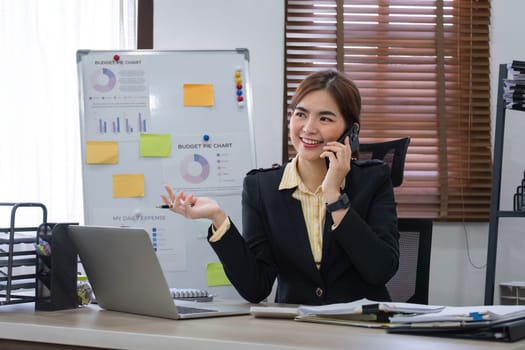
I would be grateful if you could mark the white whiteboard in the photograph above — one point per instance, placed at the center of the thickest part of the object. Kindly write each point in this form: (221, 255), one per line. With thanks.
(150, 118)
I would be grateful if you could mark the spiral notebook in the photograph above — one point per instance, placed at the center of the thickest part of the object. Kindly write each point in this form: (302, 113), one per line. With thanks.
(191, 294)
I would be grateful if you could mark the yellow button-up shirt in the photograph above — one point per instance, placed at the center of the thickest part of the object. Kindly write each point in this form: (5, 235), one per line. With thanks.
(313, 205)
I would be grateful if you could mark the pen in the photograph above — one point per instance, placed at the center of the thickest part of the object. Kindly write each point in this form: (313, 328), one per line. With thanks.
(164, 206)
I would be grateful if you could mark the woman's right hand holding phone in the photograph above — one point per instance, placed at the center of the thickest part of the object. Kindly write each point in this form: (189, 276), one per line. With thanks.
(339, 155)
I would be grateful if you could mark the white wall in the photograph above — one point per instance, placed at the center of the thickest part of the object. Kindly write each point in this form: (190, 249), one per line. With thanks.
(229, 24)
(458, 251)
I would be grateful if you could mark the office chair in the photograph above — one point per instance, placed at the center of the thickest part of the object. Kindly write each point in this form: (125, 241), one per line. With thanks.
(410, 283)
(392, 152)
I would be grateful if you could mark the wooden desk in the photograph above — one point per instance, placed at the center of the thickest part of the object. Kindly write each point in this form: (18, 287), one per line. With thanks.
(88, 328)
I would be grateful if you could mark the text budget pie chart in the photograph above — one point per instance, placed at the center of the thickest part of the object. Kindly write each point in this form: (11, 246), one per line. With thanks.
(194, 168)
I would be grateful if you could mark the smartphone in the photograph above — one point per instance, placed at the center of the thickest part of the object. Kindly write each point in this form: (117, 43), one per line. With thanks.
(353, 133)
(354, 138)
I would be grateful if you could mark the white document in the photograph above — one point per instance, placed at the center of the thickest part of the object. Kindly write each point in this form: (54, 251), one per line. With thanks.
(367, 306)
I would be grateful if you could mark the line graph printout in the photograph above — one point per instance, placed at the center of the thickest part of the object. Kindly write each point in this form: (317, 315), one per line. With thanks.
(117, 101)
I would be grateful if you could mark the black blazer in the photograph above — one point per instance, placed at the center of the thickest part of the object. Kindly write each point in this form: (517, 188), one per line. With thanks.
(359, 256)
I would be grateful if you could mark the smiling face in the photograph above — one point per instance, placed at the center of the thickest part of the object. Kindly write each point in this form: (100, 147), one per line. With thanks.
(315, 121)
(324, 104)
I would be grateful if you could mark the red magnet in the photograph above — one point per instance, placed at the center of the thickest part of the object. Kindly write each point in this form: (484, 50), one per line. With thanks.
(116, 57)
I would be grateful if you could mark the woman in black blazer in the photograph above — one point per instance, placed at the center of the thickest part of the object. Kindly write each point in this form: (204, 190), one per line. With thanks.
(324, 224)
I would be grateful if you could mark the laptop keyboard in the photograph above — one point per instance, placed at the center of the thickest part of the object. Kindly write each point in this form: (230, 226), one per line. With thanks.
(191, 310)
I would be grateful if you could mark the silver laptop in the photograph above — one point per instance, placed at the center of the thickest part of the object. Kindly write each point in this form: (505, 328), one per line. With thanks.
(125, 274)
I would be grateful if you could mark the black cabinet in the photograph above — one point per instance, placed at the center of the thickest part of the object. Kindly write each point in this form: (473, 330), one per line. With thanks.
(495, 213)
(38, 263)
(56, 268)
(17, 251)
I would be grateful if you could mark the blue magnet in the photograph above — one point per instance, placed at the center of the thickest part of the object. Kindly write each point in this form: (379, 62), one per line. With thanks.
(206, 137)
(239, 92)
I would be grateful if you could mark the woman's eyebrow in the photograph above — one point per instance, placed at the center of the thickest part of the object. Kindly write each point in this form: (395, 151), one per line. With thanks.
(327, 113)
(302, 109)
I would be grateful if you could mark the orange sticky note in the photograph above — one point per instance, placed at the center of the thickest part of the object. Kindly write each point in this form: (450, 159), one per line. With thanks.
(198, 95)
(101, 152)
(128, 185)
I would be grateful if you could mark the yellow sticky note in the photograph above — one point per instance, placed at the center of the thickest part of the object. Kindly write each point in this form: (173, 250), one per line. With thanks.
(101, 152)
(200, 95)
(155, 145)
(128, 185)
(216, 276)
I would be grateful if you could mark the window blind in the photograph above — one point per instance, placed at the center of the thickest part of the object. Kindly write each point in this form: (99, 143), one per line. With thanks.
(422, 67)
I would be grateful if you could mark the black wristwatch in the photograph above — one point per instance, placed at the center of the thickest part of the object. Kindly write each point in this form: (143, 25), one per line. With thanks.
(342, 202)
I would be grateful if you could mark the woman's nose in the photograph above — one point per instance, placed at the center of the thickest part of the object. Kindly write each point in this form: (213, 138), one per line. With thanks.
(310, 125)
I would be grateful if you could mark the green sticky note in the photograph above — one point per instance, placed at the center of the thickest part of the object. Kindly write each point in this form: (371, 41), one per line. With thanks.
(216, 276)
(155, 145)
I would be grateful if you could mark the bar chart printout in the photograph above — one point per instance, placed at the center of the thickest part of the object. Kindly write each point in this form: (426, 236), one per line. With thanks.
(123, 124)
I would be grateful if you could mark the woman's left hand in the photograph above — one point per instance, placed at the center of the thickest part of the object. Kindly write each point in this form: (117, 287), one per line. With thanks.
(193, 207)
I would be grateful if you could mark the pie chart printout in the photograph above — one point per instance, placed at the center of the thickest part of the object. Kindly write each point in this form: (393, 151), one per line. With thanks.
(103, 80)
(195, 168)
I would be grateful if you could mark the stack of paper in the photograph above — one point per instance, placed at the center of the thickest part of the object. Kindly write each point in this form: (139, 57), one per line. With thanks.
(465, 314)
(514, 86)
(363, 312)
(493, 322)
(366, 306)
(352, 310)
